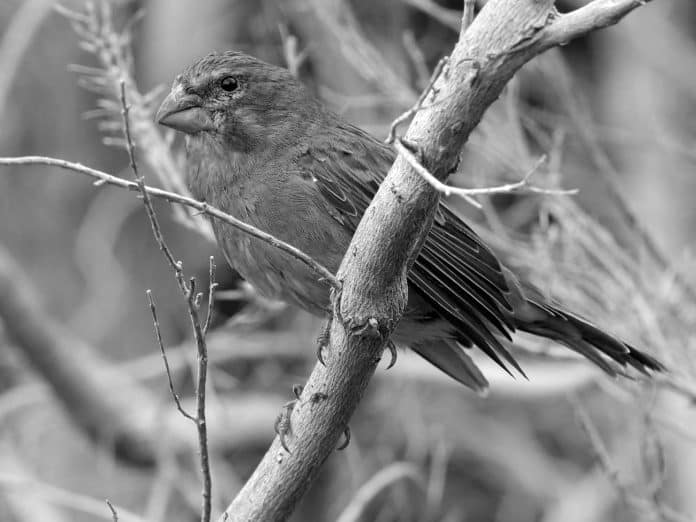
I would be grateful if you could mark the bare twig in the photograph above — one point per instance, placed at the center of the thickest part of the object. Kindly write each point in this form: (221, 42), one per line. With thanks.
(140, 181)
(114, 513)
(202, 207)
(188, 290)
(467, 15)
(212, 286)
(523, 185)
(201, 422)
(158, 334)
(439, 68)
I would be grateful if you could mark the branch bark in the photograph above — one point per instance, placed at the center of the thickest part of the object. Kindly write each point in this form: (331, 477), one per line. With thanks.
(505, 35)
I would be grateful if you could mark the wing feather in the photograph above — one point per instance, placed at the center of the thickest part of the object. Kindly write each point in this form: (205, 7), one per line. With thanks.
(455, 272)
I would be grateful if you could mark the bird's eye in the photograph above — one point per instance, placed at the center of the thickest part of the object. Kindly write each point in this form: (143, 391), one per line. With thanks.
(229, 83)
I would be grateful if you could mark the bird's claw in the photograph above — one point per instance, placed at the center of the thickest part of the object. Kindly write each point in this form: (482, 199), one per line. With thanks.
(335, 296)
(323, 341)
(282, 423)
(346, 441)
(367, 328)
(392, 350)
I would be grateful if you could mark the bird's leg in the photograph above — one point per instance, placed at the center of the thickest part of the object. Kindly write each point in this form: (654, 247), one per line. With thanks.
(282, 422)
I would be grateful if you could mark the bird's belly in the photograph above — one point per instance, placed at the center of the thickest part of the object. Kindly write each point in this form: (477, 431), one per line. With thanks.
(273, 272)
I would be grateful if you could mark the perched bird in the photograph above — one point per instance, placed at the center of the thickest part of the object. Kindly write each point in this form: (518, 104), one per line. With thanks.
(262, 149)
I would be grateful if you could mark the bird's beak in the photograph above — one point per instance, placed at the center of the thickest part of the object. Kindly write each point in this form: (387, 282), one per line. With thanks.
(184, 112)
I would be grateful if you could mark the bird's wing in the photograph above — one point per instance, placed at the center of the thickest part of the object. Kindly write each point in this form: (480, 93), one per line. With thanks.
(455, 272)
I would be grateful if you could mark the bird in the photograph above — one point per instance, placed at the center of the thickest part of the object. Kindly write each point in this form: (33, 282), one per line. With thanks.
(262, 148)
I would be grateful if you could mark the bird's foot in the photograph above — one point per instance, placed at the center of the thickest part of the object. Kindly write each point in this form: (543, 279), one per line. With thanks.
(282, 423)
(335, 296)
(325, 335)
(346, 439)
(323, 341)
(392, 350)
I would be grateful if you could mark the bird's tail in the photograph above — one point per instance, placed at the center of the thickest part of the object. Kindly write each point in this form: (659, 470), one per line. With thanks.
(450, 357)
(586, 339)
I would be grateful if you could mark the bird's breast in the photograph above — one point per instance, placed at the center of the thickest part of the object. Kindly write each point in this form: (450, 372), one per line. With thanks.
(290, 210)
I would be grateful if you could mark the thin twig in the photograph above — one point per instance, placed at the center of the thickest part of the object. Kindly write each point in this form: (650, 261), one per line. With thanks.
(201, 422)
(158, 334)
(523, 185)
(439, 68)
(188, 290)
(212, 286)
(467, 16)
(202, 207)
(114, 513)
(140, 181)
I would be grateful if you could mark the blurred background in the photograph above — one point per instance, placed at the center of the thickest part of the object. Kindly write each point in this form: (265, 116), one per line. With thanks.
(85, 410)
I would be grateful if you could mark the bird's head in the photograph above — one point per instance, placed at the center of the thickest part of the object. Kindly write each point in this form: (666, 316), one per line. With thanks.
(235, 99)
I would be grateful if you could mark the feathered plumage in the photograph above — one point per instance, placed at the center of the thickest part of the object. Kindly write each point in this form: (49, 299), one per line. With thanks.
(270, 154)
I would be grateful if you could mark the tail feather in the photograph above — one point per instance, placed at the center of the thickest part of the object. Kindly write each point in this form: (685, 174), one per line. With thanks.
(450, 358)
(588, 340)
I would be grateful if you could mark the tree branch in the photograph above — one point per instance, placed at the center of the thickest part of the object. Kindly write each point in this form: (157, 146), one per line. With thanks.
(595, 15)
(505, 35)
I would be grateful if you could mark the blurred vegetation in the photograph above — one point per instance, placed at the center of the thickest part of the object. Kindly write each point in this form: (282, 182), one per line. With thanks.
(614, 111)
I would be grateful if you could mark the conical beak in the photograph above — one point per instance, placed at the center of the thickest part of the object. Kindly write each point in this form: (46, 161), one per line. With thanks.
(184, 112)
